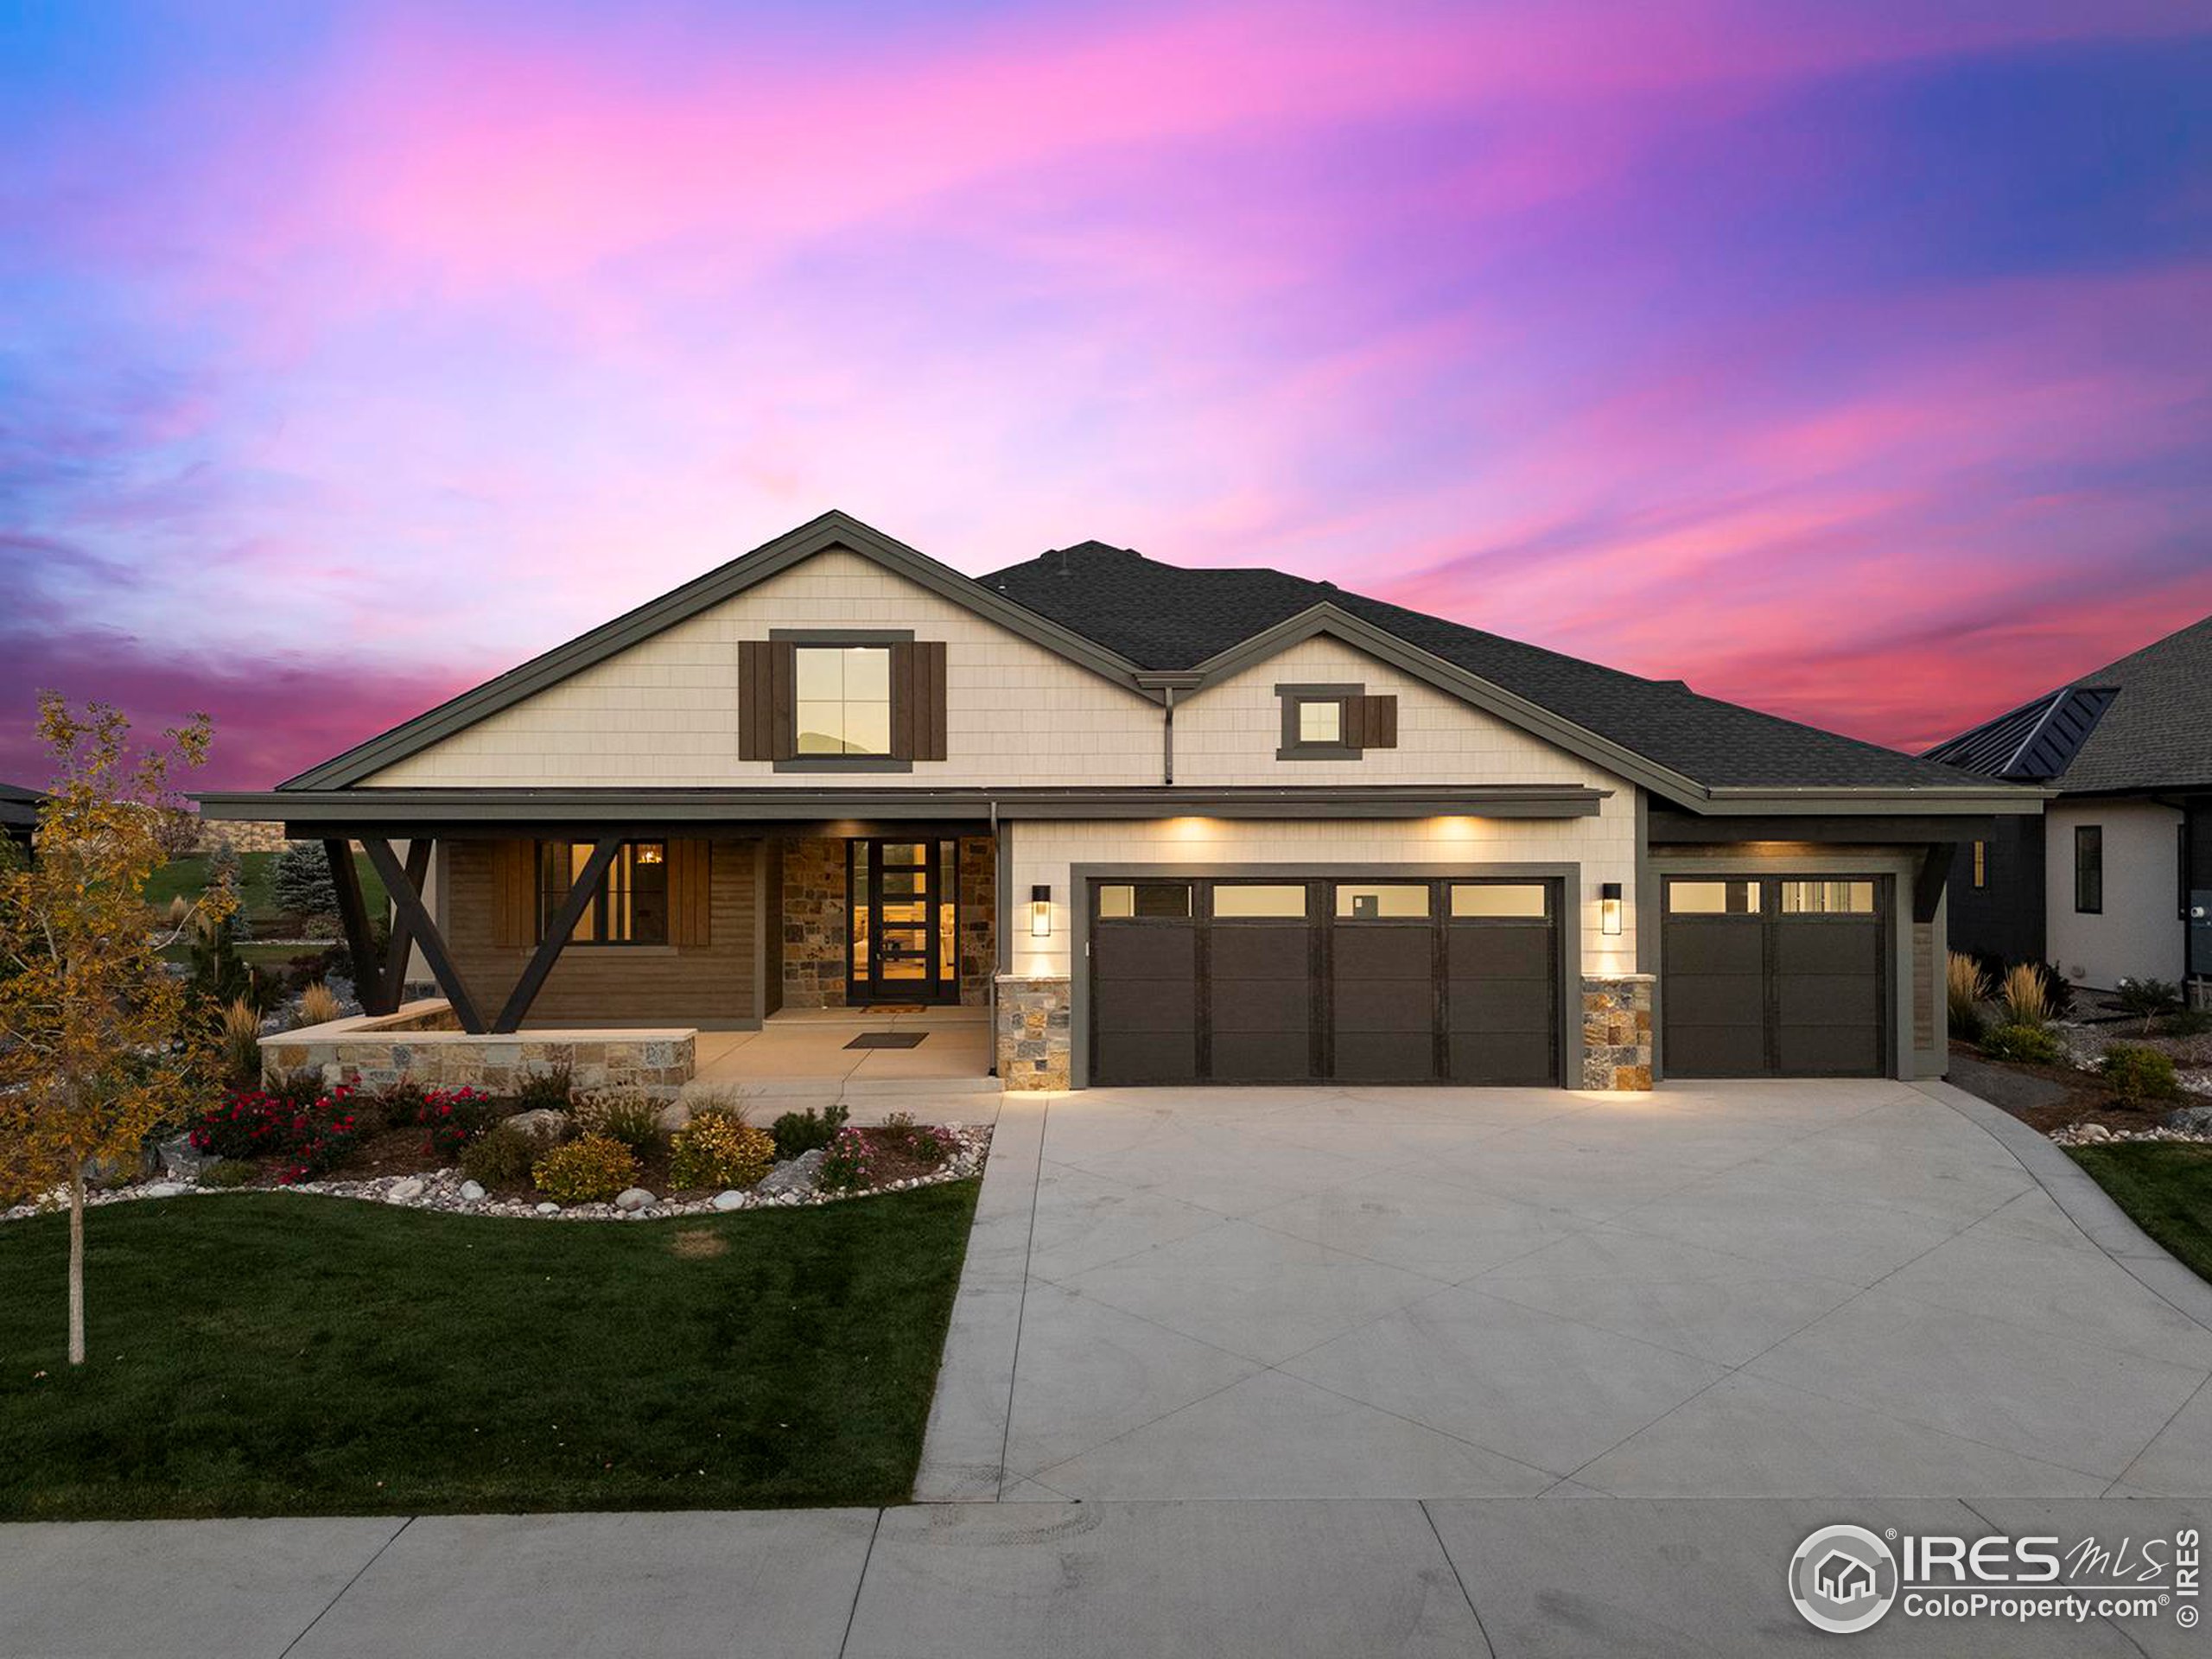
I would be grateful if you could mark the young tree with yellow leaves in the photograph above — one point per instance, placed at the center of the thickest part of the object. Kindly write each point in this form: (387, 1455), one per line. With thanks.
(98, 1045)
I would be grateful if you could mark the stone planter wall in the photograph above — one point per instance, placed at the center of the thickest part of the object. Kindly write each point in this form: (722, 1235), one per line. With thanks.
(420, 1043)
(1035, 1046)
(1617, 1032)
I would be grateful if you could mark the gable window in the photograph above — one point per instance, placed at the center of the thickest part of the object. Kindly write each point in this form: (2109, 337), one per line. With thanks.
(2089, 869)
(1334, 722)
(843, 699)
(1321, 720)
(631, 906)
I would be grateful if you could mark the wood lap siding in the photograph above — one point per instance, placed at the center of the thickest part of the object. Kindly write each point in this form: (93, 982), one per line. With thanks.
(690, 888)
(513, 893)
(709, 985)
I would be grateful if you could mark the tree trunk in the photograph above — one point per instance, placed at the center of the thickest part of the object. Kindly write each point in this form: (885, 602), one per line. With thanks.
(77, 1262)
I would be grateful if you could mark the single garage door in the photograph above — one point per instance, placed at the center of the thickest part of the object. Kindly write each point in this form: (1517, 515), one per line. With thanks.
(1764, 977)
(1296, 979)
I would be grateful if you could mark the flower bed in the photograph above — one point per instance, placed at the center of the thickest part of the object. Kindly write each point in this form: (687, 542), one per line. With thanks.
(447, 1189)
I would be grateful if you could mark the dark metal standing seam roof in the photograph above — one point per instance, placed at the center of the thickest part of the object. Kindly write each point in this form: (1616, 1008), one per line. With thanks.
(1166, 617)
(2143, 723)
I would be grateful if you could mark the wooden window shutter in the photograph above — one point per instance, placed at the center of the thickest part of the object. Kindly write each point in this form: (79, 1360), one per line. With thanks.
(690, 892)
(1355, 723)
(929, 688)
(917, 700)
(514, 894)
(756, 699)
(1377, 721)
(903, 698)
(783, 700)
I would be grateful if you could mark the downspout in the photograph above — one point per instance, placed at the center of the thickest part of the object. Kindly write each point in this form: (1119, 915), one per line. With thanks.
(1167, 739)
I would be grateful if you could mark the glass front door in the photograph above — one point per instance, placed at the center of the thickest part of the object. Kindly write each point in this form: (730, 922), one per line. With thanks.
(905, 913)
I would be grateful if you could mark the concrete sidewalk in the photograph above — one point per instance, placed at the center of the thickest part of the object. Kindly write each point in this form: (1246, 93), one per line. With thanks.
(1277, 1580)
(1552, 1576)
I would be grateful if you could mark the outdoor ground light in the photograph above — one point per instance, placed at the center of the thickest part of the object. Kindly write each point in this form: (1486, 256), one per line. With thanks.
(1608, 907)
(1040, 912)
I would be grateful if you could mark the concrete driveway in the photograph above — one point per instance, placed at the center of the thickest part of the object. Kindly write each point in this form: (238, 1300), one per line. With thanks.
(1777, 1290)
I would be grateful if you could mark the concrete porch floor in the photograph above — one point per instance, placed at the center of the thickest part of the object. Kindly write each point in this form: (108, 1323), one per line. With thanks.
(801, 1053)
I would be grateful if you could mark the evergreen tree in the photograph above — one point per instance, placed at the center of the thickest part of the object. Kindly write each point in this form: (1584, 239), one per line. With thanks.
(303, 885)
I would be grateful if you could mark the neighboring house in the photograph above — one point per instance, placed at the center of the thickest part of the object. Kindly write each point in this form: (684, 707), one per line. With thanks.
(2115, 881)
(19, 813)
(1175, 825)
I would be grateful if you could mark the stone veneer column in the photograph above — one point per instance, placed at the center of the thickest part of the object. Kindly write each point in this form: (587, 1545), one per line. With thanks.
(1035, 1044)
(979, 932)
(1617, 1032)
(816, 918)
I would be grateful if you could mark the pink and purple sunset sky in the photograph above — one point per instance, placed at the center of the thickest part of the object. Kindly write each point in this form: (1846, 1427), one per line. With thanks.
(1850, 360)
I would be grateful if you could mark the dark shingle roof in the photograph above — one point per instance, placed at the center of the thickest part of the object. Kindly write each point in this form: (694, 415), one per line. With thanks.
(19, 806)
(1165, 617)
(2143, 722)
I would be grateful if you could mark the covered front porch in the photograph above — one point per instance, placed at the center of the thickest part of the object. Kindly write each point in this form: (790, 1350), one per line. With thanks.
(815, 1050)
(800, 950)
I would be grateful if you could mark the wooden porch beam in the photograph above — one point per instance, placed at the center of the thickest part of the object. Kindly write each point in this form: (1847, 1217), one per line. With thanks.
(408, 899)
(556, 934)
(403, 933)
(354, 912)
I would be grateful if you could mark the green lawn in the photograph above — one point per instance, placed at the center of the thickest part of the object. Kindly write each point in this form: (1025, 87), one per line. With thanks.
(2165, 1186)
(270, 1354)
(256, 876)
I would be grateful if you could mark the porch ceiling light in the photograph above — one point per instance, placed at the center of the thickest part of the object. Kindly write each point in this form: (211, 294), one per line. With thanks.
(1040, 912)
(1608, 907)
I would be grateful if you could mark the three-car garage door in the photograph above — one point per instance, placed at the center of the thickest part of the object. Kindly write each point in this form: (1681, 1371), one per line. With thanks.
(1285, 979)
(1774, 977)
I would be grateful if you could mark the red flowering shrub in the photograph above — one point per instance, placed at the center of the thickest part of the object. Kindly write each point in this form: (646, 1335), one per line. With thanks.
(451, 1118)
(310, 1136)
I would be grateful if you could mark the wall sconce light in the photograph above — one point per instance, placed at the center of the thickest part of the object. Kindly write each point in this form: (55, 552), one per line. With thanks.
(1609, 908)
(1040, 912)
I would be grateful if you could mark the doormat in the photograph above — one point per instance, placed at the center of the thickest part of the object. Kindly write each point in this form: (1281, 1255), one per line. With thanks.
(888, 1040)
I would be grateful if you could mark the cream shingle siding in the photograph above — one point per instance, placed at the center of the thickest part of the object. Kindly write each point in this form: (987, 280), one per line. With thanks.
(1604, 847)
(664, 712)
(1227, 734)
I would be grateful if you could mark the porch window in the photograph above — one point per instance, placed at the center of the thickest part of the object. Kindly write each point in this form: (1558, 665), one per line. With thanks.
(631, 906)
(844, 694)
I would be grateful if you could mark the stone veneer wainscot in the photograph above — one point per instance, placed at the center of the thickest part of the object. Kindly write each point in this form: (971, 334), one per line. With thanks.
(1617, 1032)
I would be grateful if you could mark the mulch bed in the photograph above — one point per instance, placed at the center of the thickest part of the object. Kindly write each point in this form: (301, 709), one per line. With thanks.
(2082, 1098)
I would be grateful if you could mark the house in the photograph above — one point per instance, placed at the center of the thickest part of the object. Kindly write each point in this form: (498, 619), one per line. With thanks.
(1844, 1578)
(2115, 881)
(1168, 825)
(19, 814)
